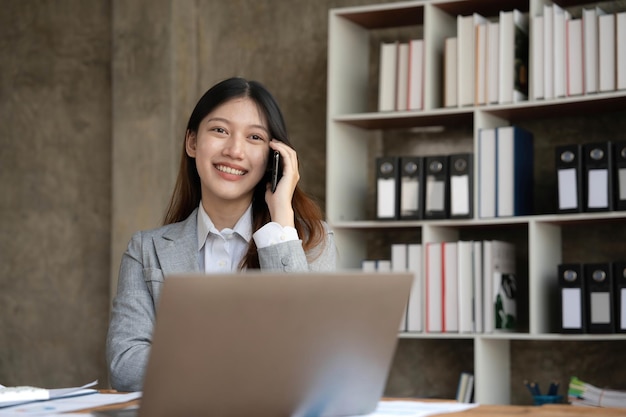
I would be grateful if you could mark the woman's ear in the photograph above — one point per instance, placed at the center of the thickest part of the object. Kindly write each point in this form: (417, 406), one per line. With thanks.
(190, 143)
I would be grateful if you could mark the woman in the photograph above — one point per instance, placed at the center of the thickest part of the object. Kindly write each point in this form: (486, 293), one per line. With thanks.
(222, 217)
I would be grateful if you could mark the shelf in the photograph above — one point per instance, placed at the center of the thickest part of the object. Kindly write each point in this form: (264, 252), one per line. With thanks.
(556, 219)
(546, 337)
(356, 135)
(527, 110)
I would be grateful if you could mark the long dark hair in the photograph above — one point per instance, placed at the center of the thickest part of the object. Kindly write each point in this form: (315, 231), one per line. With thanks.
(187, 191)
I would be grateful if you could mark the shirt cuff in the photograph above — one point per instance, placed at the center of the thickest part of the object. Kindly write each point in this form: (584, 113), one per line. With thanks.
(273, 233)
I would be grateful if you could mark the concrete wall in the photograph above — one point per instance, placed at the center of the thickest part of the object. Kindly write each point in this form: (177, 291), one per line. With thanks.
(94, 99)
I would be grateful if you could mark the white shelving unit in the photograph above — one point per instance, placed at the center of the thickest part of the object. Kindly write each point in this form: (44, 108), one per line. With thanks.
(352, 128)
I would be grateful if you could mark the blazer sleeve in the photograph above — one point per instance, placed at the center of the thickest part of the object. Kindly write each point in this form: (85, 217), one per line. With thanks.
(132, 320)
(290, 256)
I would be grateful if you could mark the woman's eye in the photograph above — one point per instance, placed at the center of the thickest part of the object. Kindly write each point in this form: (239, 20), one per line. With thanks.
(218, 130)
(256, 137)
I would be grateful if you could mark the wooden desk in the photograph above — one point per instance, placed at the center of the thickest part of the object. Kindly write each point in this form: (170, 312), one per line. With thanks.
(547, 410)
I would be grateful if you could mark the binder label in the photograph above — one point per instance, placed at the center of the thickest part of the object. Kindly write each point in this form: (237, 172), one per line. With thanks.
(568, 192)
(572, 308)
(598, 185)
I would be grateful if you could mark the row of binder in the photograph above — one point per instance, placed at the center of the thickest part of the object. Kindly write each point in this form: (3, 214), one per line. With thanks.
(458, 287)
(424, 187)
(593, 297)
(591, 177)
(505, 172)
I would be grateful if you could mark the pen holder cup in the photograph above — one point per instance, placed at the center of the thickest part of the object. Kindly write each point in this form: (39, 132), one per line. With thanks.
(547, 399)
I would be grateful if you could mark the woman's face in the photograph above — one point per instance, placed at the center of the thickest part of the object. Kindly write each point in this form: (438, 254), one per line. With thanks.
(231, 150)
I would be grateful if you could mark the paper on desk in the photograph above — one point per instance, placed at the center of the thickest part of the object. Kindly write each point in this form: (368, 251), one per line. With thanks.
(63, 405)
(417, 408)
(57, 393)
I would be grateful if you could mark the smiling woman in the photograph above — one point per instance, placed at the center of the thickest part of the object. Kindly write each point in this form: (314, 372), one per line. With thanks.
(222, 217)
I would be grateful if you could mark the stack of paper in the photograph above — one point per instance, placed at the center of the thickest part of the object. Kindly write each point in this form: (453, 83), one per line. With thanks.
(582, 393)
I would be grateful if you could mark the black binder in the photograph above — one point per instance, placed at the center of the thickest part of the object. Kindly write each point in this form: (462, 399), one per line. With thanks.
(598, 176)
(619, 177)
(599, 285)
(411, 187)
(436, 199)
(572, 298)
(619, 278)
(461, 185)
(569, 177)
(387, 188)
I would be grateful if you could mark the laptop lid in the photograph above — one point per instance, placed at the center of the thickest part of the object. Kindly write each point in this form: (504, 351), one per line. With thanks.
(262, 344)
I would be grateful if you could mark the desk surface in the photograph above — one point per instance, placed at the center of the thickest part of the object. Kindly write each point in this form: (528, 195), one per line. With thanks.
(547, 410)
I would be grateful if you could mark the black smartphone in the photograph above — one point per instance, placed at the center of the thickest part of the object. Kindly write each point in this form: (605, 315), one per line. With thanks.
(274, 168)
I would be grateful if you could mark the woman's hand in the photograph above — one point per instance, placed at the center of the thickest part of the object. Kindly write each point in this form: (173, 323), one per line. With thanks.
(279, 202)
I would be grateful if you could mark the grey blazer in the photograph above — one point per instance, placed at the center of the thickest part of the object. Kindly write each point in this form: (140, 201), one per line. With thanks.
(151, 256)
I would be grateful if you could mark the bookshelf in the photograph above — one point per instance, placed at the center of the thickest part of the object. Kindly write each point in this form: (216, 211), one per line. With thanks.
(357, 133)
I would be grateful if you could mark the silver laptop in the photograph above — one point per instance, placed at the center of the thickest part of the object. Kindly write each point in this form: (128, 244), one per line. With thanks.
(259, 344)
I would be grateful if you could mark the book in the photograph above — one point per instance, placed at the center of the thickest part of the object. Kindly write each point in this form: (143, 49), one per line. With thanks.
(590, 48)
(620, 49)
(499, 286)
(606, 52)
(514, 171)
(465, 277)
(399, 263)
(450, 73)
(477, 276)
(416, 74)
(548, 51)
(434, 290)
(561, 17)
(465, 388)
(415, 319)
(387, 76)
(480, 65)
(513, 56)
(450, 285)
(574, 49)
(504, 281)
(402, 76)
(537, 59)
(466, 52)
(487, 173)
(493, 62)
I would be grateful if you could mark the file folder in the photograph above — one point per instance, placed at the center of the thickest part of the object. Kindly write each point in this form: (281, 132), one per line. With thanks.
(411, 187)
(599, 285)
(569, 172)
(598, 176)
(387, 188)
(619, 152)
(436, 191)
(461, 185)
(573, 295)
(619, 278)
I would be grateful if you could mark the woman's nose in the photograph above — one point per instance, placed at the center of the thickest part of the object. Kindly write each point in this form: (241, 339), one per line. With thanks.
(234, 146)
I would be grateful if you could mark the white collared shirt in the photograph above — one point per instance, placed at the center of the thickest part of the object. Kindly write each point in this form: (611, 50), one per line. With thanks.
(221, 251)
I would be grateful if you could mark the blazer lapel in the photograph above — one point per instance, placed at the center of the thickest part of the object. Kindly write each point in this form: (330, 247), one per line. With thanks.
(177, 248)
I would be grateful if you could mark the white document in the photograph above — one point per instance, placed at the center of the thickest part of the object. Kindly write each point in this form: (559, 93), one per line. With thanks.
(417, 408)
(64, 405)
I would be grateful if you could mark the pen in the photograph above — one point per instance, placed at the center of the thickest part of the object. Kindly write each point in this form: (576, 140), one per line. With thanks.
(529, 387)
(554, 388)
(534, 387)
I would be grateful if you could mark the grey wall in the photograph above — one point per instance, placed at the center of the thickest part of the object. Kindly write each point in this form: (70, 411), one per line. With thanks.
(94, 97)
